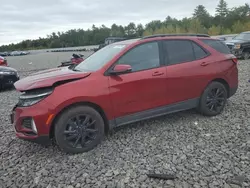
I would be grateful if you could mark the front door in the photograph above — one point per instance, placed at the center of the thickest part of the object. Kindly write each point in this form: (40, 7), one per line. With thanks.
(145, 87)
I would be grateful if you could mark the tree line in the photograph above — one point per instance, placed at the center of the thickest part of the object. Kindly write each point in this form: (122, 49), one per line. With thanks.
(225, 21)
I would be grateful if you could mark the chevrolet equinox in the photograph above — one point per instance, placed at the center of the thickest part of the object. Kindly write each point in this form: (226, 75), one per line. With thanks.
(122, 83)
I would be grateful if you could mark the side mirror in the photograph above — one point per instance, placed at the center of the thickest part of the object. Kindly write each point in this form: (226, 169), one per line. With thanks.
(121, 69)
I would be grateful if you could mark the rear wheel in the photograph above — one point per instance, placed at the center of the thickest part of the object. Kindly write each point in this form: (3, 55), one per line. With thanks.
(79, 129)
(213, 99)
(246, 55)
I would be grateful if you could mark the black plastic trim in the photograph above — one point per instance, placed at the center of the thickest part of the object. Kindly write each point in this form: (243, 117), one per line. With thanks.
(156, 112)
(173, 35)
(232, 91)
(42, 140)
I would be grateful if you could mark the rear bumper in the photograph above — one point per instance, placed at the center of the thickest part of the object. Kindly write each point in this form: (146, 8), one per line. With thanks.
(232, 91)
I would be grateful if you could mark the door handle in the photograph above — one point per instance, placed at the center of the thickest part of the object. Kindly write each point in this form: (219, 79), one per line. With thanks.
(157, 73)
(204, 63)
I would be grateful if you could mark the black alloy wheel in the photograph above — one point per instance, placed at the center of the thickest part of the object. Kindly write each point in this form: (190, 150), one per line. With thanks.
(246, 55)
(79, 129)
(213, 99)
(216, 99)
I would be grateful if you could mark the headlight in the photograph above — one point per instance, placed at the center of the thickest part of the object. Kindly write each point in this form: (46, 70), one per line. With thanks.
(237, 46)
(30, 98)
(6, 72)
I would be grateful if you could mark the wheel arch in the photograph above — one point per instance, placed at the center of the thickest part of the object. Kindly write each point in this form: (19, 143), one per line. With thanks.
(82, 103)
(222, 81)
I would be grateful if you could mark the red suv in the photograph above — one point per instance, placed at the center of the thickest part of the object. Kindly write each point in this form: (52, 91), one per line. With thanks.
(122, 83)
(3, 61)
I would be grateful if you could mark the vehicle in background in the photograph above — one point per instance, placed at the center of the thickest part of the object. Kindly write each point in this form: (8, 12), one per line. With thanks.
(15, 53)
(18, 53)
(3, 61)
(122, 83)
(110, 40)
(222, 38)
(4, 54)
(8, 76)
(75, 59)
(240, 45)
(24, 53)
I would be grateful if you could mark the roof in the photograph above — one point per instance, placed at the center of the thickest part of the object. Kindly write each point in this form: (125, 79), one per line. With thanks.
(108, 38)
(246, 32)
(130, 41)
(152, 37)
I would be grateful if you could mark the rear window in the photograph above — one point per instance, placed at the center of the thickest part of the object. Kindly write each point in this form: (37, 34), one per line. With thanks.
(217, 45)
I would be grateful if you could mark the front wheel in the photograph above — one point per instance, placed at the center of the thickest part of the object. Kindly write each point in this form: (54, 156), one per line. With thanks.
(79, 129)
(213, 99)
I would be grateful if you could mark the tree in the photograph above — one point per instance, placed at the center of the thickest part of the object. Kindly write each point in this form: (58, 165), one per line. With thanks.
(139, 30)
(240, 13)
(195, 26)
(222, 12)
(130, 29)
(214, 30)
(202, 14)
(226, 21)
(155, 24)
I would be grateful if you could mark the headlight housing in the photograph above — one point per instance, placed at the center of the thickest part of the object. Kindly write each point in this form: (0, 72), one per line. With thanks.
(237, 46)
(7, 72)
(32, 97)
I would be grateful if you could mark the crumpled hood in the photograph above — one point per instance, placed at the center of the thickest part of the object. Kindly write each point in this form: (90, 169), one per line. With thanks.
(48, 77)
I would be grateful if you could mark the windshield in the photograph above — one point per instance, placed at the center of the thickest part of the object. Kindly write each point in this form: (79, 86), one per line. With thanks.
(243, 36)
(98, 59)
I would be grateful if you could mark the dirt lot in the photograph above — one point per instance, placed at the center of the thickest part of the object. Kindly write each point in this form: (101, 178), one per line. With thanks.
(200, 151)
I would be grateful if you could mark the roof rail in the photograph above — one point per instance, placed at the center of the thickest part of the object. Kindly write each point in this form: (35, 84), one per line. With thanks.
(171, 35)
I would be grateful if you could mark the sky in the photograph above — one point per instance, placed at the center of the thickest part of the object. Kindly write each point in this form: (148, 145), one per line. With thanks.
(31, 19)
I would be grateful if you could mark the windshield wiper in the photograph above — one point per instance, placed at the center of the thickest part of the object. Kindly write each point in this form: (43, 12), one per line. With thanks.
(77, 70)
(72, 67)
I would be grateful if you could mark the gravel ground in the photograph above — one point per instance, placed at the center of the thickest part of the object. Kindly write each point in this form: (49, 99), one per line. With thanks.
(200, 151)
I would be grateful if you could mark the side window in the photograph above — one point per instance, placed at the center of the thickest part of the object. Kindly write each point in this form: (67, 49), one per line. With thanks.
(142, 57)
(198, 51)
(179, 51)
(219, 46)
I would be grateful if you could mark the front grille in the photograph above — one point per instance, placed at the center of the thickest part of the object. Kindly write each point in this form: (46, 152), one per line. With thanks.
(10, 79)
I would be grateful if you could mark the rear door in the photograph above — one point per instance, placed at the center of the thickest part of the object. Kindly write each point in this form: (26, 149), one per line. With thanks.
(188, 69)
(145, 87)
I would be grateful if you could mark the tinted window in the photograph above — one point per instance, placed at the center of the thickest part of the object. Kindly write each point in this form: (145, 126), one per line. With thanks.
(179, 51)
(198, 51)
(217, 45)
(142, 57)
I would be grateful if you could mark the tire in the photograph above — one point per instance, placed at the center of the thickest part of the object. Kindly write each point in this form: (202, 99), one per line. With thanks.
(67, 132)
(246, 55)
(208, 105)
